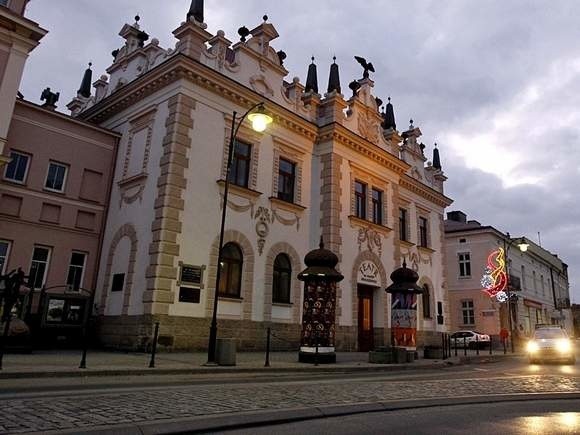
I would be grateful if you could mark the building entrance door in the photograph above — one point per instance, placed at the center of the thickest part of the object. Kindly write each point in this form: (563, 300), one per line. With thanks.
(366, 333)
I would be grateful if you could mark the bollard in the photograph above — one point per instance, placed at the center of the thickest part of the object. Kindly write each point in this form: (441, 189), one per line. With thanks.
(449, 344)
(316, 354)
(490, 345)
(4, 338)
(83, 363)
(443, 346)
(504, 345)
(154, 347)
(464, 346)
(477, 345)
(268, 332)
(455, 343)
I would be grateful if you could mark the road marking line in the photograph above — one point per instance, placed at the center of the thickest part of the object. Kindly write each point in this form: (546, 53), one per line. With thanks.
(481, 370)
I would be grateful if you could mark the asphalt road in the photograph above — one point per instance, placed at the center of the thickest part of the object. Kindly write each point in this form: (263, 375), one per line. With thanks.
(81, 404)
(519, 418)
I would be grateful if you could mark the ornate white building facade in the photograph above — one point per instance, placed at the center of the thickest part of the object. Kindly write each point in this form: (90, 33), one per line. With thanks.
(327, 166)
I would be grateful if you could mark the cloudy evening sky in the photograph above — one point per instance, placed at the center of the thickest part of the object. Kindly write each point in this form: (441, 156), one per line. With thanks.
(494, 82)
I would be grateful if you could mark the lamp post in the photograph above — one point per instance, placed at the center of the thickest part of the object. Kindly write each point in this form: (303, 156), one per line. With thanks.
(523, 246)
(260, 121)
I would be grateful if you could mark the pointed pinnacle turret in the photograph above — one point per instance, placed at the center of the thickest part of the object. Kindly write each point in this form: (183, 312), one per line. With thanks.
(85, 89)
(436, 158)
(334, 79)
(196, 11)
(389, 117)
(312, 78)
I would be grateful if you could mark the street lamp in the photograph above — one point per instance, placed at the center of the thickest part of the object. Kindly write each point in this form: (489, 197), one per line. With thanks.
(260, 121)
(523, 247)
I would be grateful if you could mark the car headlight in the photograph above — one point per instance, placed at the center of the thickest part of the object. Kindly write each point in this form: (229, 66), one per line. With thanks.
(533, 347)
(564, 345)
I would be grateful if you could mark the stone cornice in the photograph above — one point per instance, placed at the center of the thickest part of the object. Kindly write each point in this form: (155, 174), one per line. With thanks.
(338, 133)
(182, 67)
(418, 188)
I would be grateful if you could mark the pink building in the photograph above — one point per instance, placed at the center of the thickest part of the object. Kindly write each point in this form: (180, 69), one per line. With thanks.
(54, 196)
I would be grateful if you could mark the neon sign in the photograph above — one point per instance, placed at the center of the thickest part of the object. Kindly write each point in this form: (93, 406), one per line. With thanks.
(494, 280)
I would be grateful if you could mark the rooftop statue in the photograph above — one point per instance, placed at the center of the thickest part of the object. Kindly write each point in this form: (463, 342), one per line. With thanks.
(366, 65)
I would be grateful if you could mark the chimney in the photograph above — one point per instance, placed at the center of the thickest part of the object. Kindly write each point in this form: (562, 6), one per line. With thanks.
(457, 216)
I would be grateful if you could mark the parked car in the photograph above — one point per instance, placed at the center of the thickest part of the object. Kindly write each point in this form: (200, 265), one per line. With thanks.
(471, 338)
(551, 343)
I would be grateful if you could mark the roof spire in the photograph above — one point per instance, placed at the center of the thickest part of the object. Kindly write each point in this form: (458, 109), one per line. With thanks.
(312, 78)
(389, 117)
(85, 89)
(334, 79)
(196, 11)
(436, 158)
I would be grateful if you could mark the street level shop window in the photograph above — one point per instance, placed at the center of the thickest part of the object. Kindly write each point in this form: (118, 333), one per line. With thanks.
(426, 302)
(39, 266)
(76, 268)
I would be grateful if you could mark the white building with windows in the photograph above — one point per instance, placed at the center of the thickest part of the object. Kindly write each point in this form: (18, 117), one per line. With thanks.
(328, 166)
(537, 278)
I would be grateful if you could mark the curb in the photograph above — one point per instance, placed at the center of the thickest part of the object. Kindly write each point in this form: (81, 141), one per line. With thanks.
(271, 417)
(80, 373)
(223, 370)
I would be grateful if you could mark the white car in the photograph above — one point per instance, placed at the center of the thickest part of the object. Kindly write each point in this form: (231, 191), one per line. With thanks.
(551, 343)
(471, 339)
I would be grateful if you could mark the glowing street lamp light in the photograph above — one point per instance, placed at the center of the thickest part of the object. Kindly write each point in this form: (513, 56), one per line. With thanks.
(260, 121)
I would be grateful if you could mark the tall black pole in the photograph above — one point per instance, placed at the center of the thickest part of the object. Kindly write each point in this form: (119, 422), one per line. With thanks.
(211, 348)
(213, 328)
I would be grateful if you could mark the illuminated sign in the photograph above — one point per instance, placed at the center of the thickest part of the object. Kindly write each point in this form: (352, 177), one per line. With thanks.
(494, 281)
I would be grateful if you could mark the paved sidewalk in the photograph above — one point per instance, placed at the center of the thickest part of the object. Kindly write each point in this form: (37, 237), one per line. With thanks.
(100, 363)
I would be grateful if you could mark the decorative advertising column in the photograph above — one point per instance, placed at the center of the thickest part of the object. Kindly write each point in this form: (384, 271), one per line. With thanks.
(319, 312)
(404, 293)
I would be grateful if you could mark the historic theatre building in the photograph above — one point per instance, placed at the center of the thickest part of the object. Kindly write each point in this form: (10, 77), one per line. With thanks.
(332, 164)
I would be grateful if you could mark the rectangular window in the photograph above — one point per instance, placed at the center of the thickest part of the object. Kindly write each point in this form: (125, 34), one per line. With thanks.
(534, 281)
(17, 169)
(286, 179)
(360, 199)
(377, 197)
(56, 177)
(118, 282)
(241, 161)
(403, 224)
(4, 251)
(464, 264)
(39, 266)
(423, 232)
(76, 268)
(468, 312)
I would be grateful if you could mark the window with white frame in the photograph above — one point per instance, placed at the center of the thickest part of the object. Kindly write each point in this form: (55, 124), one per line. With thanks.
(56, 177)
(39, 266)
(17, 169)
(468, 312)
(4, 251)
(464, 264)
(76, 269)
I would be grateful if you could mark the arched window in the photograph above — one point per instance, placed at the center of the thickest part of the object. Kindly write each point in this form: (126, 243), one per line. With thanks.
(281, 280)
(426, 302)
(231, 271)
